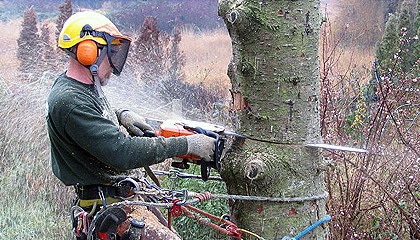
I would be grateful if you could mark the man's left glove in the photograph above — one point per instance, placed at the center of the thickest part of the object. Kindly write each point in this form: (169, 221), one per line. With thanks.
(134, 123)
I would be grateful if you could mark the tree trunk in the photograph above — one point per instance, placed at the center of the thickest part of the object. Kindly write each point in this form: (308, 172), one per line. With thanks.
(274, 73)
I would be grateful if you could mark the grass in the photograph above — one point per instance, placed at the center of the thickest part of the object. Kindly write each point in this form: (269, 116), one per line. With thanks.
(207, 57)
(33, 202)
(8, 47)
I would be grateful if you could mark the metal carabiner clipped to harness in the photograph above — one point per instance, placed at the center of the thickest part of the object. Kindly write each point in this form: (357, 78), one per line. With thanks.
(127, 188)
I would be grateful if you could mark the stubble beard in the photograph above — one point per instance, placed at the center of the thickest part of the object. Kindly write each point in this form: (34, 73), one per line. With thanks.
(105, 80)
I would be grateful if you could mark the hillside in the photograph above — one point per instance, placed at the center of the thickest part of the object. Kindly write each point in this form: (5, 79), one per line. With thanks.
(128, 15)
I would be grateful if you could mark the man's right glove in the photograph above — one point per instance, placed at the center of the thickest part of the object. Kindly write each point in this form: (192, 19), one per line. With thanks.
(202, 146)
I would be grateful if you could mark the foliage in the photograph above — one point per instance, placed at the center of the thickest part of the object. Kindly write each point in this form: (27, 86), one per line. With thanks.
(372, 196)
(399, 47)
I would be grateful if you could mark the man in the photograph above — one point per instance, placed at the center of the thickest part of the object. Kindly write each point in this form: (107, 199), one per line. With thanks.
(88, 150)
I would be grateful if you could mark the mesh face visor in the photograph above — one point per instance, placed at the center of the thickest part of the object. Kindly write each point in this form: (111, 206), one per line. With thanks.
(117, 55)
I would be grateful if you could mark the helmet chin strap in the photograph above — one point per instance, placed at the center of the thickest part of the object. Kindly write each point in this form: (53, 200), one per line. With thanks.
(94, 71)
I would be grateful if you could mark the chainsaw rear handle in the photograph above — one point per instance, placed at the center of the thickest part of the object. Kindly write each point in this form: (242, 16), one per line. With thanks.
(218, 149)
(200, 130)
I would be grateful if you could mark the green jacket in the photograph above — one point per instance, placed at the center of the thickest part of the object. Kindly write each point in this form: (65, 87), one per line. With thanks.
(87, 147)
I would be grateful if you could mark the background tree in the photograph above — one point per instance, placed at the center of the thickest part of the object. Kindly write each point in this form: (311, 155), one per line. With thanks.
(176, 56)
(65, 11)
(388, 45)
(275, 86)
(157, 60)
(399, 47)
(409, 29)
(150, 51)
(48, 52)
(28, 45)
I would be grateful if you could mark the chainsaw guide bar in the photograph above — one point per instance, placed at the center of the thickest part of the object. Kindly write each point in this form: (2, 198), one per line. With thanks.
(177, 128)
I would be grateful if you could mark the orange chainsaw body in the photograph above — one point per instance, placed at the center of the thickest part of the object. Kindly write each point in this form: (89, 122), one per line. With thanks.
(175, 129)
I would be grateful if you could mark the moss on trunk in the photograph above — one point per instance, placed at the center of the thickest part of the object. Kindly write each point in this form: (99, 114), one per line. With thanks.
(274, 73)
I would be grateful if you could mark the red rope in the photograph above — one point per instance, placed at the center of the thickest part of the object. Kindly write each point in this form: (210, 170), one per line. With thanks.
(176, 211)
(169, 220)
(229, 229)
(207, 222)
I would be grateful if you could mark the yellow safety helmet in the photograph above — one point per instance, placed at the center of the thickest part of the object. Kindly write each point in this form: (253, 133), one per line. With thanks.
(71, 35)
(84, 28)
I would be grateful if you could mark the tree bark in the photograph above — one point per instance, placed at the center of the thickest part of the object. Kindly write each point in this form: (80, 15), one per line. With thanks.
(274, 73)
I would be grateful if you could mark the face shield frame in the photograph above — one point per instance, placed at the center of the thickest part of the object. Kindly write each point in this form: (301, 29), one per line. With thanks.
(117, 52)
(117, 48)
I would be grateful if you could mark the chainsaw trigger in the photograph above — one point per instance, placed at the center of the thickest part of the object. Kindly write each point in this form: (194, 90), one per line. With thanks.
(205, 170)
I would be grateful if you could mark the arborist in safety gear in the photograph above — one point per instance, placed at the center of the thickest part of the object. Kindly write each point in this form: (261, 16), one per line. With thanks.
(88, 149)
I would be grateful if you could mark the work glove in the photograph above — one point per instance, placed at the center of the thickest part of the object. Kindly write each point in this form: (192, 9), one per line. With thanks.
(202, 146)
(134, 123)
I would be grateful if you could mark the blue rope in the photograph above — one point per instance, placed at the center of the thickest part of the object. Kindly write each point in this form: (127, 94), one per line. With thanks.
(308, 229)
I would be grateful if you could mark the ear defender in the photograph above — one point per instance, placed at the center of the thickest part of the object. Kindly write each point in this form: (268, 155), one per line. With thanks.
(87, 52)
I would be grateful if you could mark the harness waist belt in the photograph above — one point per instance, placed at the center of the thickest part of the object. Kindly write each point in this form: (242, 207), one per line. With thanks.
(92, 191)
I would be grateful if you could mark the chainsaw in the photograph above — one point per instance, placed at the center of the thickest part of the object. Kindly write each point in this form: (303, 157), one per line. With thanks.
(172, 128)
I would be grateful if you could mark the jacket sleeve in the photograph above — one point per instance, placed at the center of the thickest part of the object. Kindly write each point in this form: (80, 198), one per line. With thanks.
(104, 141)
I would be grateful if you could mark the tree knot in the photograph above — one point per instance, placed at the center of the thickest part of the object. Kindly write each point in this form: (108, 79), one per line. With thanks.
(232, 16)
(254, 169)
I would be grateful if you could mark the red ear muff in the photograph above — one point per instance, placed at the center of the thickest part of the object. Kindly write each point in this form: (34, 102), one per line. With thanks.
(87, 52)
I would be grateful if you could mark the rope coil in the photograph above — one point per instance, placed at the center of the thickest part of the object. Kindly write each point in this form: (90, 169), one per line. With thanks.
(203, 196)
